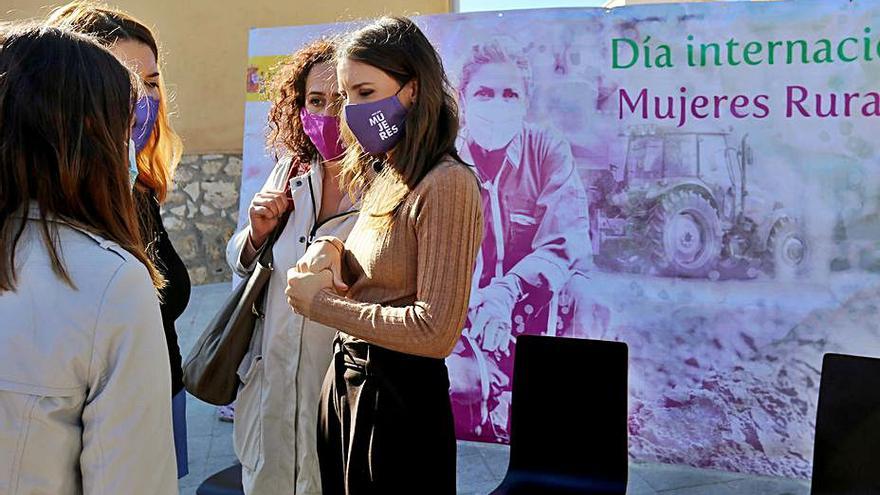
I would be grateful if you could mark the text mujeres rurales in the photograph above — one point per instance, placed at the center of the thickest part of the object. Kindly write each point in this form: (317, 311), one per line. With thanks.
(799, 101)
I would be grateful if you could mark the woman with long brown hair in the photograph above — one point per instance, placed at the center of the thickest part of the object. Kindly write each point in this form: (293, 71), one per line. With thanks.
(277, 405)
(385, 416)
(158, 153)
(85, 396)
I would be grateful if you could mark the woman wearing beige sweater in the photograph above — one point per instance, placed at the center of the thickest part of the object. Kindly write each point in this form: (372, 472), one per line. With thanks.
(398, 288)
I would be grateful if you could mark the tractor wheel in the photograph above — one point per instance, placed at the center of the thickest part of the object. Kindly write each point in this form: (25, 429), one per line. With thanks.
(787, 249)
(685, 234)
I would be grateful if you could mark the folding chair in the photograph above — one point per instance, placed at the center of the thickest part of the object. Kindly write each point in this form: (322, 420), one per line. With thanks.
(568, 418)
(846, 451)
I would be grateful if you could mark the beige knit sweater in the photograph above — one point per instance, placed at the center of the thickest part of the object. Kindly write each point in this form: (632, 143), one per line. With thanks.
(410, 283)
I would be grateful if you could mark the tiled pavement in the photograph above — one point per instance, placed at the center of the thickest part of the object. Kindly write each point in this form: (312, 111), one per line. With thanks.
(480, 467)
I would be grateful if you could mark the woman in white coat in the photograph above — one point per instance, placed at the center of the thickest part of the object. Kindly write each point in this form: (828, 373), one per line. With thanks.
(276, 409)
(85, 386)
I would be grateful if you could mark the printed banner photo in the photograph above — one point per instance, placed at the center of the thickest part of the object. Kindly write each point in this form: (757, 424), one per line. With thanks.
(700, 181)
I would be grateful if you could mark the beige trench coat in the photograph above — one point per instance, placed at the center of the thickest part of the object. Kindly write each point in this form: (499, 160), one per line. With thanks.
(85, 384)
(276, 409)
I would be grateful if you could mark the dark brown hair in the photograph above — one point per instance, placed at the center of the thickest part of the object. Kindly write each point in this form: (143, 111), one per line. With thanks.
(159, 159)
(287, 91)
(398, 47)
(65, 119)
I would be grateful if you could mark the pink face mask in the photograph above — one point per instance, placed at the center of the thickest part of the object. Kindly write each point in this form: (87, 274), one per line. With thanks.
(323, 130)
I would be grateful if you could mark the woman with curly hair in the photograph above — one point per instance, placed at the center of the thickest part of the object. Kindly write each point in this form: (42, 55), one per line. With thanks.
(276, 408)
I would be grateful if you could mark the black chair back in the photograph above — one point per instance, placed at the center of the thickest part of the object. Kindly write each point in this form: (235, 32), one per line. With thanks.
(568, 416)
(846, 451)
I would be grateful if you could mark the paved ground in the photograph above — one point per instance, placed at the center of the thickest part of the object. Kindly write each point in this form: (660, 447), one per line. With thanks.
(480, 467)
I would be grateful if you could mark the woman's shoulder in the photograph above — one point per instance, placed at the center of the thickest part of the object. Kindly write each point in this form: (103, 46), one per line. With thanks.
(105, 246)
(99, 268)
(450, 182)
(88, 255)
(450, 173)
(118, 282)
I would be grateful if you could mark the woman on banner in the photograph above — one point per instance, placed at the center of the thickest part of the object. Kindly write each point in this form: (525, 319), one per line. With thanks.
(158, 153)
(85, 387)
(398, 288)
(277, 405)
(530, 275)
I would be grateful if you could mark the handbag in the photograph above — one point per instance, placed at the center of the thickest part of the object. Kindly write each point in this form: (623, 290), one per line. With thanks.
(210, 372)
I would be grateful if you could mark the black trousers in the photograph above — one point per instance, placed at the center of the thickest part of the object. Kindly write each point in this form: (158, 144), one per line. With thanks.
(385, 423)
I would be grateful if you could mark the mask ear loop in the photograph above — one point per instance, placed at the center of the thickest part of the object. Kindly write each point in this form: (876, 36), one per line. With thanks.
(133, 170)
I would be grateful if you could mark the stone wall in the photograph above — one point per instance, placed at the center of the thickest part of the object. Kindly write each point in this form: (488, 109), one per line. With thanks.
(201, 214)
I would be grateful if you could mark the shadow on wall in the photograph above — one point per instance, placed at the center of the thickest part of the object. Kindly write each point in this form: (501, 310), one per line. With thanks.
(201, 214)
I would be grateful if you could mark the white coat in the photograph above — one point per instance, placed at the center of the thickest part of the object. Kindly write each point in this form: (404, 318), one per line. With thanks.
(85, 384)
(277, 405)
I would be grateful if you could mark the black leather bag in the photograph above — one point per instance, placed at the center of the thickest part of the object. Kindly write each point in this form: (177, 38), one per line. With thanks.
(210, 372)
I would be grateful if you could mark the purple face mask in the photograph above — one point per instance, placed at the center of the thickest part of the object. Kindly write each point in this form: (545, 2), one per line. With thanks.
(323, 130)
(145, 113)
(378, 125)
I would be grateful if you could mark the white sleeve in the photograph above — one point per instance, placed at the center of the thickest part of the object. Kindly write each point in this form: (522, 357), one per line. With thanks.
(236, 244)
(128, 444)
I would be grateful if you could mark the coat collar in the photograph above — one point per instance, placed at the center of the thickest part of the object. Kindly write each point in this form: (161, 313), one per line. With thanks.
(514, 149)
(310, 185)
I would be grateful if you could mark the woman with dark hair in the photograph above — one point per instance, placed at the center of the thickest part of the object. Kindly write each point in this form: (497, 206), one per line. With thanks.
(85, 388)
(385, 416)
(277, 404)
(158, 153)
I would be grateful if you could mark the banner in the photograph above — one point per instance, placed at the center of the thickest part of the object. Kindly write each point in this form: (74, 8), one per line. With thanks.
(699, 181)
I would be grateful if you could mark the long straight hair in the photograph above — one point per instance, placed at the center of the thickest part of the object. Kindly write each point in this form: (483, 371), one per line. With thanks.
(66, 108)
(398, 47)
(161, 155)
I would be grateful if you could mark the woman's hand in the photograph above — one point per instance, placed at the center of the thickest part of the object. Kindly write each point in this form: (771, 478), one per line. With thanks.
(303, 287)
(264, 213)
(321, 256)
